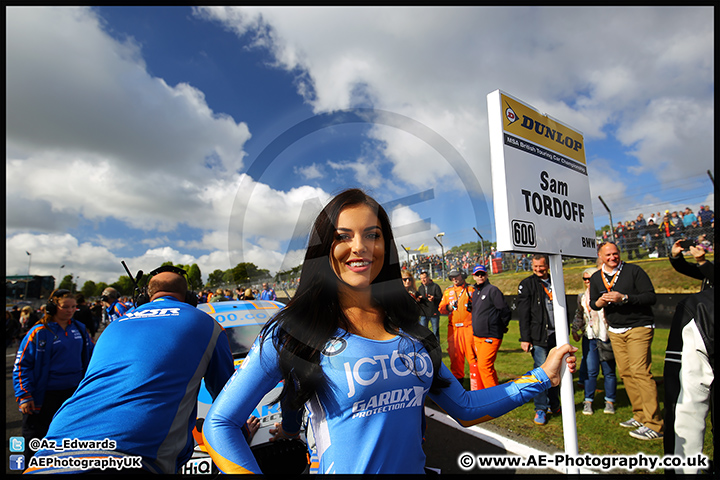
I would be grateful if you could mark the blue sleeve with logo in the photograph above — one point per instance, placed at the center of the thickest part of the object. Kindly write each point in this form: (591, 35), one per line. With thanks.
(368, 416)
(222, 430)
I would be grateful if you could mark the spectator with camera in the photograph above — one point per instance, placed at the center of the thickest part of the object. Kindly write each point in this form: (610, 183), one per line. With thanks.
(456, 303)
(537, 328)
(701, 270)
(689, 357)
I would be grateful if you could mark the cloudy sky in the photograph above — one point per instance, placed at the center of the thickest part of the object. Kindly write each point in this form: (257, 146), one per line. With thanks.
(210, 136)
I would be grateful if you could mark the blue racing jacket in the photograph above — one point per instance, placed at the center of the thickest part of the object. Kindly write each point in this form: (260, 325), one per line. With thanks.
(50, 358)
(140, 391)
(116, 310)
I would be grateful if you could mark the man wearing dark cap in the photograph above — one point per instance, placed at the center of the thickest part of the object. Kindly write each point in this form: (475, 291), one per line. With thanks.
(490, 318)
(457, 304)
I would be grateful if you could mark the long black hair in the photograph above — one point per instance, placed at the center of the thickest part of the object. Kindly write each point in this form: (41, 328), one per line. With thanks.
(303, 328)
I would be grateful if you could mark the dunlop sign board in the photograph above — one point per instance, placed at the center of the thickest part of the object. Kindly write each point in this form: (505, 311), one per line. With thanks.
(541, 190)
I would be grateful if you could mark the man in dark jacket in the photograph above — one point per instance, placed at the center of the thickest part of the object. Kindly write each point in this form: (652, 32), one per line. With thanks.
(490, 318)
(429, 295)
(627, 294)
(537, 328)
(84, 315)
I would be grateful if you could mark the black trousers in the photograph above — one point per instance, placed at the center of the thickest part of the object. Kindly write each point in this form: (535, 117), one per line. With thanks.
(36, 425)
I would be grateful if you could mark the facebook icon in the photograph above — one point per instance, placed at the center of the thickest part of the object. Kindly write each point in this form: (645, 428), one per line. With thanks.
(17, 462)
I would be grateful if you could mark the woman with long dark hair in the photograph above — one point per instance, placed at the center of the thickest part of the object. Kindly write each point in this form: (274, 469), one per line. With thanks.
(349, 347)
(50, 362)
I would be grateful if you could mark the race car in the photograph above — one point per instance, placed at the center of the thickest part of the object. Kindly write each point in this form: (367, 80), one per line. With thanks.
(243, 320)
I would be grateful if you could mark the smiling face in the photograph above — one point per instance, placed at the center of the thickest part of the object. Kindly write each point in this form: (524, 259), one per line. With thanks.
(609, 255)
(358, 250)
(540, 268)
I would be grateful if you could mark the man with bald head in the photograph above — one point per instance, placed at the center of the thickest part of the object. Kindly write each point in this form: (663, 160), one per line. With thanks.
(140, 390)
(167, 284)
(626, 294)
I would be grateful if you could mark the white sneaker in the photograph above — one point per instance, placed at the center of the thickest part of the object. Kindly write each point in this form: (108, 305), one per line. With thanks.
(632, 423)
(587, 408)
(644, 433)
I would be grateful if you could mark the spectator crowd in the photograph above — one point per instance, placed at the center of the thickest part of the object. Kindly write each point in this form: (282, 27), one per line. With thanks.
(657, 233)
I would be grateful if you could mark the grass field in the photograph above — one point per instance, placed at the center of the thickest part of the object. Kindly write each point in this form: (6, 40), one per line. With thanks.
(598, 434)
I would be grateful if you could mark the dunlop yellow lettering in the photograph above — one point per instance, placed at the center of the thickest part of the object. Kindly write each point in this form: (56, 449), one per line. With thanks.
(543, 130)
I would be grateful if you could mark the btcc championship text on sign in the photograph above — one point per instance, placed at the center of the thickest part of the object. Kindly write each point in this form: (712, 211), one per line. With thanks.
(541, 190)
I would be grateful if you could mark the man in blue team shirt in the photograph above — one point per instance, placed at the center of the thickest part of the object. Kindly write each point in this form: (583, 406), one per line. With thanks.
(140, 390)
(114, 308)
(267, 293)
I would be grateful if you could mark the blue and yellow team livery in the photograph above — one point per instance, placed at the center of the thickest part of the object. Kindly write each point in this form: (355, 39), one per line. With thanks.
(243, 320)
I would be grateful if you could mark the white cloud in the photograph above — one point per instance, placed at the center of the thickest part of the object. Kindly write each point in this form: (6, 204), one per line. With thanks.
(670, 136)
(602, 70)
(310, 172)
(50, 251)
(102, 136)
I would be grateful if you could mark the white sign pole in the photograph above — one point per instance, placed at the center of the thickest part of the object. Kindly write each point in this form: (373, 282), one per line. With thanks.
(541, 197)
(567, 398)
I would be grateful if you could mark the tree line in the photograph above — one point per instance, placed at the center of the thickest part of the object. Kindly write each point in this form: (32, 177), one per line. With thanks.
(241, 274)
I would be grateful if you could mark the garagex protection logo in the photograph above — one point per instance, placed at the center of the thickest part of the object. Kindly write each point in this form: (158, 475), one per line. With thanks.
(389, 401)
